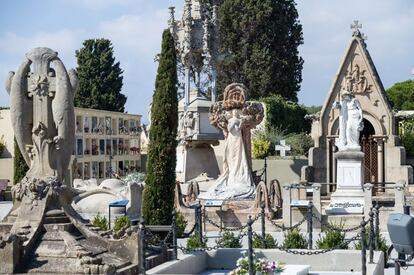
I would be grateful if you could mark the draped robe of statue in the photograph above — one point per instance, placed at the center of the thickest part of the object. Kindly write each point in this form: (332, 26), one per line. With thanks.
(236, 180)
(350, 122)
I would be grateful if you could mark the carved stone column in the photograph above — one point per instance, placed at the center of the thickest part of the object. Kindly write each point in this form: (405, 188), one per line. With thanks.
(380, 144)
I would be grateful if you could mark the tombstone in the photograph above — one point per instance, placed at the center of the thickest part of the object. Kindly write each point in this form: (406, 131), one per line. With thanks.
(282, 148)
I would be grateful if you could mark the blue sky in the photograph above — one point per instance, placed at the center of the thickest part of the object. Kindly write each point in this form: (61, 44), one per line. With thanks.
(135, 28)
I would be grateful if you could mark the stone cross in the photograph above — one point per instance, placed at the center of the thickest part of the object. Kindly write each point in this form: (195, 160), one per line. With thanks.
(355, 27)
(283, 148)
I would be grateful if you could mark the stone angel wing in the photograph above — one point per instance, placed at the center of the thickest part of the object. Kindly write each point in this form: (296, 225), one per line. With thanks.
(21, 108)
(64, 114)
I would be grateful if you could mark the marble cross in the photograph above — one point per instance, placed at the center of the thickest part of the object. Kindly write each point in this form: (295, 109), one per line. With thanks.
(282, 148)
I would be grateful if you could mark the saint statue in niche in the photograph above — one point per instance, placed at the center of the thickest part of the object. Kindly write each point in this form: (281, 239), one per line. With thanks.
(236, 117)
(350, 122)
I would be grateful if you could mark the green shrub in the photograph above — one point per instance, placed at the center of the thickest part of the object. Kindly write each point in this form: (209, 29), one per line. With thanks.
(20, 165)
(261, 148)
(181, 223)
(100, 221)
(229, 240)
(121, 222)
(269, 241)
(284, 114)
(382, 244)
(194, 242)
(295, 240)
(332, 238)
(300, 143)
(407, 140)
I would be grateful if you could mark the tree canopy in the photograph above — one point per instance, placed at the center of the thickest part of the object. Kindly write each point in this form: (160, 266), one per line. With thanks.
(100, 77)
(259, 45)
(158, 198)
(401, 95)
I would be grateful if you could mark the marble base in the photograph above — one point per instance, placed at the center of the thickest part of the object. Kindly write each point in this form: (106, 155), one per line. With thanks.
(349, 195)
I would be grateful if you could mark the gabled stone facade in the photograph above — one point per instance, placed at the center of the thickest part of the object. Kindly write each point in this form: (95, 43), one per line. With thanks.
(384, 157)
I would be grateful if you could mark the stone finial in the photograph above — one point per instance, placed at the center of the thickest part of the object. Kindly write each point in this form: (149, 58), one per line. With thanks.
(171, 21)
(356, 26)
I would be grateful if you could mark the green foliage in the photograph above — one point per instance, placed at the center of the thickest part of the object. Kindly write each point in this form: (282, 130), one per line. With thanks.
(300, 143)
(20, 165)
(401, 95)
(407, 140)
(100, 78)
(229, 240)
(269, 241)
(100, 221)
(286, 115)
(2, 145)
(194, 242)
(181, 223)
(294, 240)
(121, 222)
(158, 197)
(382, 244)
(261, 148)
(260, 40)
(332, 238)
(406, 131)
(312, 109)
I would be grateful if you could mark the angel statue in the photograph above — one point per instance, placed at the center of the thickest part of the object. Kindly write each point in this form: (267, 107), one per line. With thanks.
(42, 113)
(350, 122)
(235, 117)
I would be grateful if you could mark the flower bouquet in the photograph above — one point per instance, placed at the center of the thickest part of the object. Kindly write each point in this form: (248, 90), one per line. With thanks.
(261, 266)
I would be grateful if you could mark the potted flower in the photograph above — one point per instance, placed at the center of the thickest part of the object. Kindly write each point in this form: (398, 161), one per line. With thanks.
(261, 266)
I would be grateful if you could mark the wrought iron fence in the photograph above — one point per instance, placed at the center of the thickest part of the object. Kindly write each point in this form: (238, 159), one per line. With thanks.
(147, 235)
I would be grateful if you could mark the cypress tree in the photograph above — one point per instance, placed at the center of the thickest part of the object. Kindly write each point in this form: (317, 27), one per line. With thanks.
(158, 198)
(20, 165)
(259, 43)
(100, 78)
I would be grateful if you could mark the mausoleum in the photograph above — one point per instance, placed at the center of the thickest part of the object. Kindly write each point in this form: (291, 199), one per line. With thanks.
(384, 157)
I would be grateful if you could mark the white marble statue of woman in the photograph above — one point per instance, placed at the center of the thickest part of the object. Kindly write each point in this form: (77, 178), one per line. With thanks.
(350, 122)
(235, 181)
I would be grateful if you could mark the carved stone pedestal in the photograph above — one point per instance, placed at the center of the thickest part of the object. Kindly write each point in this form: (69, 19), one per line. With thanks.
(349, 195)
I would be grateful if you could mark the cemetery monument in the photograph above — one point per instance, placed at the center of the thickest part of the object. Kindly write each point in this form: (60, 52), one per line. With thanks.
(43, 233)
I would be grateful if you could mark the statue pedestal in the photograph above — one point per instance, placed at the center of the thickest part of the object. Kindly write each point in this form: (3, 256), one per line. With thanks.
(349, 195)
(195, 158)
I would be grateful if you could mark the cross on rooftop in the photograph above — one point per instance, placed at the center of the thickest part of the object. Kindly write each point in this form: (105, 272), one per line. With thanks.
(355, 27)
(282, 148)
